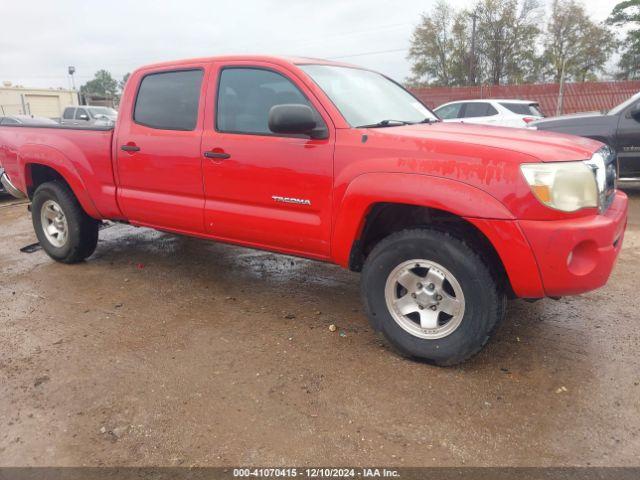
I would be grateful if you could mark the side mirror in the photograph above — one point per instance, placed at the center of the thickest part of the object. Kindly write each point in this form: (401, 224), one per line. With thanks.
(634, 112)
(83, 117)
(295, 118)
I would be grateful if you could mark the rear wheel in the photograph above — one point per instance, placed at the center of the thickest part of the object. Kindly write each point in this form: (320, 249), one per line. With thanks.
(63, 228)
(431, 295)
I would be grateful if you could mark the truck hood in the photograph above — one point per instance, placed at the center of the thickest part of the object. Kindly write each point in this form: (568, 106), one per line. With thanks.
(570, 116)
(575, 120)
(543, 146)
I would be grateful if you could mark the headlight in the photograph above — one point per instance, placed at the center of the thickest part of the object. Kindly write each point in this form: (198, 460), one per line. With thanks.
(566, 186)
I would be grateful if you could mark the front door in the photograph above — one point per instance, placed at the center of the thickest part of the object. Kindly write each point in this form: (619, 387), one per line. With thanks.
(628, 144)
(263, 189)
(158, 151)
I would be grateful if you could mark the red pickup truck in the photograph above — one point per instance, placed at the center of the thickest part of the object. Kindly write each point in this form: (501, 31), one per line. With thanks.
(339, 164)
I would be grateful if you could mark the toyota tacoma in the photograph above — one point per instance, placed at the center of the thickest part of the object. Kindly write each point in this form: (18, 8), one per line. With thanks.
(339, 164)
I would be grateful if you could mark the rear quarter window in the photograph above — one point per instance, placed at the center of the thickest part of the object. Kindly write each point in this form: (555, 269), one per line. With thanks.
(68, 113)
(169, 100)
(522, 108)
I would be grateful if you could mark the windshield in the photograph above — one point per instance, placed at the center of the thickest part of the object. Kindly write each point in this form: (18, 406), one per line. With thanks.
(109, 112)
(616, 110)
(367, 98)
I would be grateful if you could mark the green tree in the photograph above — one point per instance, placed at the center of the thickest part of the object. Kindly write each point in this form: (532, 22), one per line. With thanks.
(627, 13)
(499, 41)
(102, 84)
(507, 34)
(447, 50)
(463, 67)
(575, 43)
(435, 48)
(123, 82)
(597, 43)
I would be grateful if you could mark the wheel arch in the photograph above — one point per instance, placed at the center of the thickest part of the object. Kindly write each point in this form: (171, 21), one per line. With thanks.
(41, 164)
(378, 204)
(384, 219)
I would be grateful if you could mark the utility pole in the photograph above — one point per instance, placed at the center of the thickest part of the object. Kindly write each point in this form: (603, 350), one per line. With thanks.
(72, 70)
(472, 55)
(561, 89)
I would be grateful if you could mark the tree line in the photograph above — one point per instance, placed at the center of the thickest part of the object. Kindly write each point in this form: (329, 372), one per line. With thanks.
(519, 41)
(103, 84)
(503, 42)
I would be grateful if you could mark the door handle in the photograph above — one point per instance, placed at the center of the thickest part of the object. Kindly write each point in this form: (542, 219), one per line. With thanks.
(217, 155)
(130, 148)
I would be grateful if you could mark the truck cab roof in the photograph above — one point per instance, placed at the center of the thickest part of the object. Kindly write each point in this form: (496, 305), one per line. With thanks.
(279, 60)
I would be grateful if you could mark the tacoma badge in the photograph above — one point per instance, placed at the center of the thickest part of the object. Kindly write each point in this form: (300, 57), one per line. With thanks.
(297, 201)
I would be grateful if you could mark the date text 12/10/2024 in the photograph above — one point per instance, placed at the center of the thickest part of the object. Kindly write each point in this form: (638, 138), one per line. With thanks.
(316, 472)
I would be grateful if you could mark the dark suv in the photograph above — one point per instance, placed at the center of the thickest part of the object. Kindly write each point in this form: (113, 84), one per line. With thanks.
(619, 128)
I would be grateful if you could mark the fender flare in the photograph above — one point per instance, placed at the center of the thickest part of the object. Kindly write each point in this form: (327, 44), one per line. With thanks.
(440, 193)
(474, 205)
(37, 154)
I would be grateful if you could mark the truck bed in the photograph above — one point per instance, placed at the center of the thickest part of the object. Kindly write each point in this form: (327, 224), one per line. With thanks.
(79, 154)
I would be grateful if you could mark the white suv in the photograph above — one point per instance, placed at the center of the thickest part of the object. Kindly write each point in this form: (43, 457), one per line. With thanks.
(502, 113)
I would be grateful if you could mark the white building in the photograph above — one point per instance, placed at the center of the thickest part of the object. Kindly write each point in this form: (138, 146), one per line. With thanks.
(42, 102)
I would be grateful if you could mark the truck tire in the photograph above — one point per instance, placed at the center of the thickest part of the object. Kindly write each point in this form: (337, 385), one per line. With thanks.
(431, 295)
(63, 228)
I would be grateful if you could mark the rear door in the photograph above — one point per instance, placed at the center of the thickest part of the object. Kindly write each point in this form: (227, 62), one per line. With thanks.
(480, 112)
(158, 150)
(68, 116)
(261, 188)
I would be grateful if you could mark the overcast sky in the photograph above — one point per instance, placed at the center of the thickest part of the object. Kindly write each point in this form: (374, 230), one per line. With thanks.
(40, 39)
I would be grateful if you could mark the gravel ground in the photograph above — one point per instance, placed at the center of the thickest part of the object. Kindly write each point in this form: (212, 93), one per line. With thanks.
(163, 350)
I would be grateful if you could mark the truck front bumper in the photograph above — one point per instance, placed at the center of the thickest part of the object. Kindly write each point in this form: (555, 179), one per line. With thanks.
(577, 255)
(8, 186)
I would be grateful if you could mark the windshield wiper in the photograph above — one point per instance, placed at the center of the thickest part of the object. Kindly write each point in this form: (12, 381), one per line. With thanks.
(385, 123)
(397, 123)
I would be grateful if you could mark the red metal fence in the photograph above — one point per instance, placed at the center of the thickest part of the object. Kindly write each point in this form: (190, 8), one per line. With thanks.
(578, 97)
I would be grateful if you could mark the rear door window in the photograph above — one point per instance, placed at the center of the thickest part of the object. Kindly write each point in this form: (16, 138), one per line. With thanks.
(68, 113)
(80, 112)
(479, 109)
(449, 111)
(169, 100)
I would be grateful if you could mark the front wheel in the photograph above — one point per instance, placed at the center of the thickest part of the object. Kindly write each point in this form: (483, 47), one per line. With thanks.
(431, 295)
(63, 228)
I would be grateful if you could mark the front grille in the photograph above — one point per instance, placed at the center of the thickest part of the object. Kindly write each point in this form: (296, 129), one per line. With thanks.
(611, 175)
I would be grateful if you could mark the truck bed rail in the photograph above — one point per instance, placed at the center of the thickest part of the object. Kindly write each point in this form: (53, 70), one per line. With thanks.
(99, 128)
